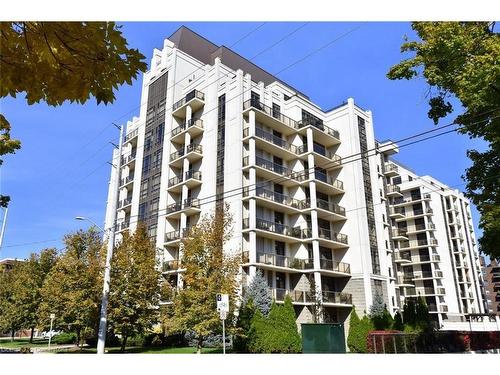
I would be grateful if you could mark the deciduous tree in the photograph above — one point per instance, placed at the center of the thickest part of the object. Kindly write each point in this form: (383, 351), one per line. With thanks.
(136, 286)
(209, 271)
(59, 61)
(460, 60)
(73, 287)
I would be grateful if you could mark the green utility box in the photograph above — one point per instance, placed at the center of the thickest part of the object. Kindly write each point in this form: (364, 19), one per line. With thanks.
(323, 338)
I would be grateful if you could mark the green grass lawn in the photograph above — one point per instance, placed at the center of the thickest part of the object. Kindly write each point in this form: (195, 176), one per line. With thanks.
(142, 350)
(19, 343)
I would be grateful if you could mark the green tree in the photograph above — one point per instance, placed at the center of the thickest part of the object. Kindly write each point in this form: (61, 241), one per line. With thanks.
(358, 333)
(243, 326)
(10, 317)
(378, 306)
(73, 288)
(422, 317)
(59, 61)
(409, 313)
(7, 146)
(398, 322)
(276, 333)
(28, 280)
(136, 286)
(209, 270)
(460, 60)
(258, 291)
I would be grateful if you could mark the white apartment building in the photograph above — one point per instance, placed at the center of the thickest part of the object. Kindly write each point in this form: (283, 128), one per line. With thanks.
(308, 203)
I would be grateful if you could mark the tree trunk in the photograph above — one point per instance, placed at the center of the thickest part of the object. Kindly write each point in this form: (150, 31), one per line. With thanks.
(124, 343)
(32, 333)
(78, 336)
(12, 333)
(199, 346)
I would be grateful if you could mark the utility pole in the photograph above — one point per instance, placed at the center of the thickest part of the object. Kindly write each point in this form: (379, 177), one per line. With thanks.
(110, 233)
(4, 222)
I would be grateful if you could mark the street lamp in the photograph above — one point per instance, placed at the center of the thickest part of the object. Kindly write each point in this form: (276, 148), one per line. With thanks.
(101, 340)
(82, 218)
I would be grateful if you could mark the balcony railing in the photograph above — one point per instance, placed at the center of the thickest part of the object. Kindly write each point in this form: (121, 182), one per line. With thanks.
(269, 165)
(192, 122)
(124, 202)
(174, 207)
(319, 125)
(171, 265)
(191, 202)
(128, 158)
(298, 296)
(192, 174)
(131, 135)
(328, 180)
(174, 181)
(332, 265)
(270, 112)
(123, 225)
(284, 261)
(337, 297)
(278, 198)
(278, 228)
(189, 96)
(329, 206)
(126, 180)
(390, 167)
(194, 147)
(397, 211)
(271, 138)
(402, 256)
(332, 236)
(393, 189)
(400, 232)
(177, 154)
(176, 234)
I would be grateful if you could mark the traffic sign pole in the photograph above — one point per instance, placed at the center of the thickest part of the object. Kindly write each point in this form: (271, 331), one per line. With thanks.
(223, 336)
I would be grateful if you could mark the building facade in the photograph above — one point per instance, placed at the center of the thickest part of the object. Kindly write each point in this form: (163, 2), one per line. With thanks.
(491, 274)
(316, 200)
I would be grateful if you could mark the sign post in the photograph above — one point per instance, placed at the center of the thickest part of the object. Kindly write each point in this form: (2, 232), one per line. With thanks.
(52, 316)
(223, 309)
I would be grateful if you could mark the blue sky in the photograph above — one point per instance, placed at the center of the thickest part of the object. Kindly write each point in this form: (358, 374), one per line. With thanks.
(62, 171)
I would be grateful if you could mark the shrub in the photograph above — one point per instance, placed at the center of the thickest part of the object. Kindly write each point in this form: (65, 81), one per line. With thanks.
(277, 333)
(358, 333)
(398, 322)
(243, 325)
(111, 340)
(383, 321)
(65, 338)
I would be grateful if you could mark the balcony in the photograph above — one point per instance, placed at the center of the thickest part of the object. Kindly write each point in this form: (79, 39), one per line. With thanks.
(273, 144)
(418, 243)
(126, 181)
(427, 291)
(406, 281)
(271, 171)
(391, 170)
(334, 266)
(397, 212)
(427, 275)
(189, 206)
(278, 231)
(280, 261)
(297, 296)
(278, 201)
(127, 159)
(426, 259)
(124, 203)
(421, 228)
(329, 210)
(132, 136)
(324, 158)
(402, 257)
(417, 213)
(191, 179)
(195, 99)
(328, 182)
(175, 236)
(122, 226)
(194, 127)
(193, 152)
(394, 191)
(338, 239)
(336, 298)
(328, 136)
(400, 201)
(399, 234)
(171, 266)
(269, 116)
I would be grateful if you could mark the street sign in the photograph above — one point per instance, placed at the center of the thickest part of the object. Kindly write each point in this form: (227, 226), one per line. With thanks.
(52, 316)
(223, 302)
(223, 315)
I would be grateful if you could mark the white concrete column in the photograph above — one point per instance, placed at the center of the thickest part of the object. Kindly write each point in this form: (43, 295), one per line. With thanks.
(189, 113)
